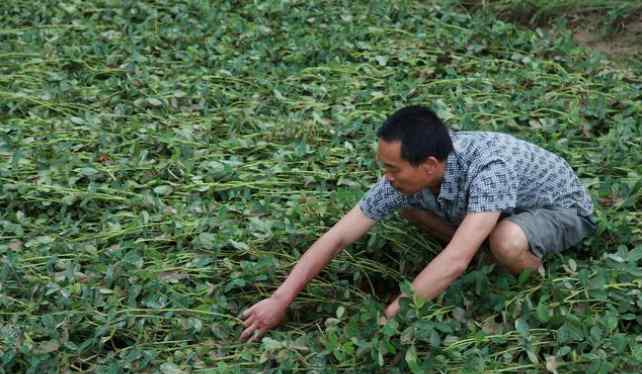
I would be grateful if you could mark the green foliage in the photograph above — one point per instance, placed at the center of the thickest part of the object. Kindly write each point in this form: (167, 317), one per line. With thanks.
(163, 165)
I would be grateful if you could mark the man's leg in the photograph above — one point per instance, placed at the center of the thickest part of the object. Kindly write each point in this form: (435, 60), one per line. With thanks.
(430, 223)
(509, 246)
(508, 243)
(520, 240)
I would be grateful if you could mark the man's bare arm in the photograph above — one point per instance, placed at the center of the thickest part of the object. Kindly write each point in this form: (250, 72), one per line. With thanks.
(268, 313)
(451, 263)
(350, 228)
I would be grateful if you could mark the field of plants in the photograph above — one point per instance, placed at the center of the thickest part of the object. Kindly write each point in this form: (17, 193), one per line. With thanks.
(164, 163)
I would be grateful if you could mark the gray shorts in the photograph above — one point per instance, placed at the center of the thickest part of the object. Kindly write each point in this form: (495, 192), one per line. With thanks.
(553, 230)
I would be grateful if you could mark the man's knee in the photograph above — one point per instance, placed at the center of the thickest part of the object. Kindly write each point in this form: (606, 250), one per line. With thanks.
(508, 241)
(509, 245)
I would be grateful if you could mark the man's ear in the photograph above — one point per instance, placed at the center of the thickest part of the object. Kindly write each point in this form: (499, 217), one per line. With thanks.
(429, 166)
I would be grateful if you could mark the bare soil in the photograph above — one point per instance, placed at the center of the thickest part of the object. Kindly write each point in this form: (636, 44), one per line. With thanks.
(621, 42)
(620, 45)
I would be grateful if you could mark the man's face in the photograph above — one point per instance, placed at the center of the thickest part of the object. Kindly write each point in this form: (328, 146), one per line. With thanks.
(404, 177)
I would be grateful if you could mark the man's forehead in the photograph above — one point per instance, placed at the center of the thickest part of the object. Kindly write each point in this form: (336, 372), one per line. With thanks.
(389, 147)
(389, 152)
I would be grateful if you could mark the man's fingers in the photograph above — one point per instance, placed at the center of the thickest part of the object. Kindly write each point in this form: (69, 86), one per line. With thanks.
(257, 334)
(247, 312)
(249, 321)
(248, 331)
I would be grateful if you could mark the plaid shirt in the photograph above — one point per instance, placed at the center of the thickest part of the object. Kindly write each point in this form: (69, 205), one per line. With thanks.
(488, 172)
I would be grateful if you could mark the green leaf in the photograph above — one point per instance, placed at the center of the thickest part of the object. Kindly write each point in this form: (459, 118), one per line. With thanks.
(406, 288)
(206, 240)
(270, 344)
(88, 172)
(171, 368)
(47, 347)
(77, 120)
(532, 356)
(635, 254)
(163, 190)
(542, 310)
(636, 351)
(381, 60)
(411, 359)
(563, 351)
(154, 102)
(521, 326)
(435, 339)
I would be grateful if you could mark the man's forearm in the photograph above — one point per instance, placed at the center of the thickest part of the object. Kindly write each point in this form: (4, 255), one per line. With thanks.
(310, 264)
(349, 228)
(453, 260)
(436, 277)
(431, 282)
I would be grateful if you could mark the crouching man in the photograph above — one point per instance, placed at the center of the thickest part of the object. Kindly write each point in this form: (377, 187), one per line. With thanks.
(462, 187)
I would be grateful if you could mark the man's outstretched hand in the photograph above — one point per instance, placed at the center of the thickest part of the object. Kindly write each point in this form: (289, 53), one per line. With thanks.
(263, 316)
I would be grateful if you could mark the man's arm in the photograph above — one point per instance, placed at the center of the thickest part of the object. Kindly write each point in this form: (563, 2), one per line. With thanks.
(451, 263)
(268, 313)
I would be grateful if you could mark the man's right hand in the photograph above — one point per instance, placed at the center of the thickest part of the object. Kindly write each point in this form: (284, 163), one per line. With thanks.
(268, 313)
(263, 316)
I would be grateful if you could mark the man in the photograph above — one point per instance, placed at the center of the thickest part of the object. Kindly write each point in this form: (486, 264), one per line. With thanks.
(464, 187)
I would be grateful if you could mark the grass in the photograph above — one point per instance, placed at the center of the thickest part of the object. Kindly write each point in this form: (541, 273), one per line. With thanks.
(164, 164)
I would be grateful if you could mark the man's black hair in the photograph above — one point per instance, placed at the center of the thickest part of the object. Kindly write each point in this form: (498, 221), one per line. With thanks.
(421, 133)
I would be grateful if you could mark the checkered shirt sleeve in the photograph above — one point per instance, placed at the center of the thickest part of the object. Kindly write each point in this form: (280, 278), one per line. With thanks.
(493, 187)
(381, 200)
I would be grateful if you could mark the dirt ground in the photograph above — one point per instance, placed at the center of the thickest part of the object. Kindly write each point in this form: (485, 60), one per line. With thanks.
(622, 45)
(622, 42)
